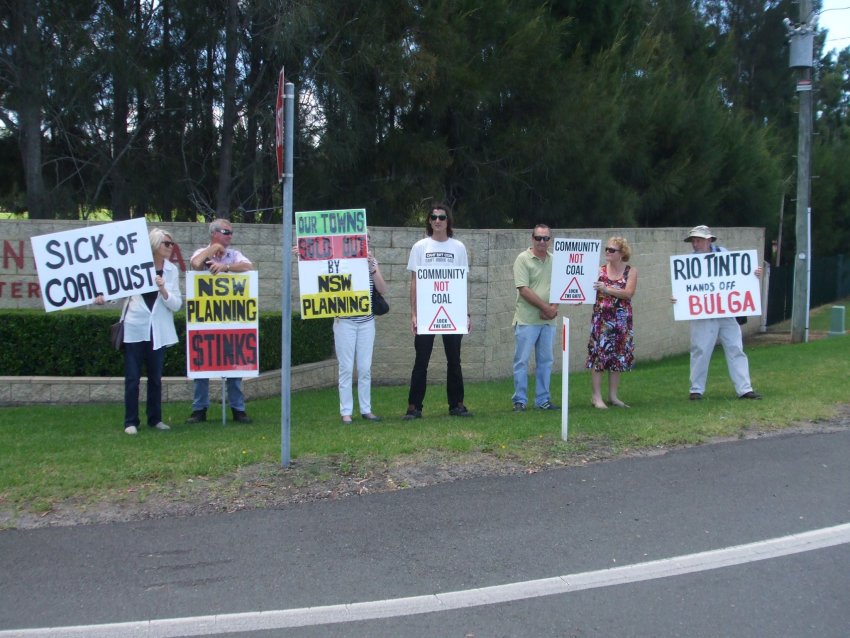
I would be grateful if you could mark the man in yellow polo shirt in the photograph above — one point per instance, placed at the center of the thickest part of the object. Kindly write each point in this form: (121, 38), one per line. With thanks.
(534, 320)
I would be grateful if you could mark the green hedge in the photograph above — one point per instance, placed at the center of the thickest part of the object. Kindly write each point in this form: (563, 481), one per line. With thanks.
(75, 343)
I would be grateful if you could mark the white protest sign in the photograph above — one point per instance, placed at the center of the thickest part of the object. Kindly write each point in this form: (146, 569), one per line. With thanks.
(715, 285)
(441, 301)
(575, 266)
(334, 288)
(222, 325)
(75, 266)
(333, 269)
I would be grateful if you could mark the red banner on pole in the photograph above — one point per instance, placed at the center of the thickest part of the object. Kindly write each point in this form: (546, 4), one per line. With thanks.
(279, 126)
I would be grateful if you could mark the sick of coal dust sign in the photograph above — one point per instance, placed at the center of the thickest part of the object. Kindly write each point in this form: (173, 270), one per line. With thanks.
(333, 269)
(715, 285)
(222, 325)
(75, 266)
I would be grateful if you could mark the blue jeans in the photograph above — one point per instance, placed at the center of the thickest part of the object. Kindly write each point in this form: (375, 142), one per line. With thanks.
(235, 398)
(540, 337)
(136, 354)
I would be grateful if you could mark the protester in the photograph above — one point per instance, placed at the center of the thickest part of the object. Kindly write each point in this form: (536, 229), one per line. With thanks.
(438, 248)
(148, 330)
(219, 257)
(611, 344)
(354, 339)
(706, 332)
(534, 321)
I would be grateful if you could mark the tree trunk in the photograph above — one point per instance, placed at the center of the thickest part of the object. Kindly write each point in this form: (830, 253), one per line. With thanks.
(29, 109)
(120, 113)
(229, 116)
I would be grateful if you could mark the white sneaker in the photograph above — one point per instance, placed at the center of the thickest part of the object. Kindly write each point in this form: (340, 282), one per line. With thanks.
(130, 429)
(162, 426)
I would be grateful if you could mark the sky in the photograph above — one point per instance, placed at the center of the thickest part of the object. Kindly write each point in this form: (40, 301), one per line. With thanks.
(834, 16)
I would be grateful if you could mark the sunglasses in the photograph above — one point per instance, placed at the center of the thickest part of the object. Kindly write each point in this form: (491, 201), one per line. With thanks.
(442, 218)
(168, 244)
(224, 231)
(540, 238)
(611, 251)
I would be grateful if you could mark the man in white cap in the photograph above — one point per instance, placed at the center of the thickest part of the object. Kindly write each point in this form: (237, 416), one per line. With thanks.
(706, 332)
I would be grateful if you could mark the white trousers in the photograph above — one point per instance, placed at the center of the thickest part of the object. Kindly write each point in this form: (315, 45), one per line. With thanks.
(704, 336)
(354, 342)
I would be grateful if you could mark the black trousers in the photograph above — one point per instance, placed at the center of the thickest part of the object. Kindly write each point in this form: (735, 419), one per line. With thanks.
(424, 345)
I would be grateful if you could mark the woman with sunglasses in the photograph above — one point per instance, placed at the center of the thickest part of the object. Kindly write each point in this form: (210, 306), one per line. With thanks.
(148, 330)
(611, 345)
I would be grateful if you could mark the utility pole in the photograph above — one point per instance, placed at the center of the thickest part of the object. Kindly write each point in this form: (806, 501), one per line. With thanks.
(802, 37)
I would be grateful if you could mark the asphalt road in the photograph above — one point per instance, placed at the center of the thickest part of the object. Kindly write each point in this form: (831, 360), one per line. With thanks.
(477, 558)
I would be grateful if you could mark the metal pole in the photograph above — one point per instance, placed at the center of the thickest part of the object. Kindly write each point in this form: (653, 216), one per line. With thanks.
(802, 261)
(286, 258)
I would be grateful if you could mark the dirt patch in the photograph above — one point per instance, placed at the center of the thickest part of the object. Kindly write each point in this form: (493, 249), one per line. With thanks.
(268, 486)
(773, 337)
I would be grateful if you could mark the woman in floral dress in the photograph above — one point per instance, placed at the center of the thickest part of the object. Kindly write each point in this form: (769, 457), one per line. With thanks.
(611, 345)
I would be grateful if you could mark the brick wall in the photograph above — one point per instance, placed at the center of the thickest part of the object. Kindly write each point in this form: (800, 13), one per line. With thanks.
(488, 349)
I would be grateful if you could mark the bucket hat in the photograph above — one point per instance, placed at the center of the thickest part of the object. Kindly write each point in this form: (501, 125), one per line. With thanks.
(703, 232)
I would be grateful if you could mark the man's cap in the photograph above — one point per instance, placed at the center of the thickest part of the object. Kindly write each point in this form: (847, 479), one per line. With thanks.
(703, 232)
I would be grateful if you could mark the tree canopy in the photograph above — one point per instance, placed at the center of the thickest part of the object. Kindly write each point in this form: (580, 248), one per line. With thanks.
(603, 113)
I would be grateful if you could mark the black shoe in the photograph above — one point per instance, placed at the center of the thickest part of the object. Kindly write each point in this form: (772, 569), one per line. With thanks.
(412, 413)
(459, 410)
(371, 417)
(240, 416)
(548, 406)
(519, 407)
(695, 396)
(197, 416)
(750, 395)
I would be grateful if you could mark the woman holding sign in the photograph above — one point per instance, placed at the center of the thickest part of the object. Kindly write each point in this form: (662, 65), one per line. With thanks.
(611, 345)
(148, 330)
(354, 340)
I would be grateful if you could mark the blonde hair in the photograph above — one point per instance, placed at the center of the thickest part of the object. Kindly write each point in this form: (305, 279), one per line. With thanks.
(623, 245)
(157, 236)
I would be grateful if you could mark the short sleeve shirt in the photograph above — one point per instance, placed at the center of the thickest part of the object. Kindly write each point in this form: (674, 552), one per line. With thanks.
(429, 252)
(231, 256)
(533, 273)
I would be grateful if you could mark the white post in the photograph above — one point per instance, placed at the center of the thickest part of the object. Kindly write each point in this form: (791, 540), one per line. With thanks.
(223, 401)
(565, 380)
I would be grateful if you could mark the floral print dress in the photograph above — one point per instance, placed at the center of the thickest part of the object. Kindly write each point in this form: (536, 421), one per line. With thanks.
(611, 345)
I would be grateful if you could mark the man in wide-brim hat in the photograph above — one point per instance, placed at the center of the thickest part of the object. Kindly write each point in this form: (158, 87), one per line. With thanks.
(705, 334)
(701, 232)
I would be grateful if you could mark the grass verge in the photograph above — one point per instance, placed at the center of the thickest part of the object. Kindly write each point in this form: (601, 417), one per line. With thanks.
(53, 453)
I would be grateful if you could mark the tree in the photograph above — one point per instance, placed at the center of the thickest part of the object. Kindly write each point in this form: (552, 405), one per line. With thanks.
(23, 93)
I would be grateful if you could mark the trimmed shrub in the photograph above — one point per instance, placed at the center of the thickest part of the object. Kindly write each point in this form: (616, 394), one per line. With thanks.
(75, 343)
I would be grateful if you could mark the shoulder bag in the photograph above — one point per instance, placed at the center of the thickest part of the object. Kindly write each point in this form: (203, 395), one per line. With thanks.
(116, 330)
(379, 304)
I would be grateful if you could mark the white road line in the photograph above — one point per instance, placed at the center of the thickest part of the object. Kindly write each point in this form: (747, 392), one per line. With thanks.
(395, 607)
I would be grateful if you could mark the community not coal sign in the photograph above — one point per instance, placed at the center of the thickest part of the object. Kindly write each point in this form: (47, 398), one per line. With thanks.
(75, 266)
